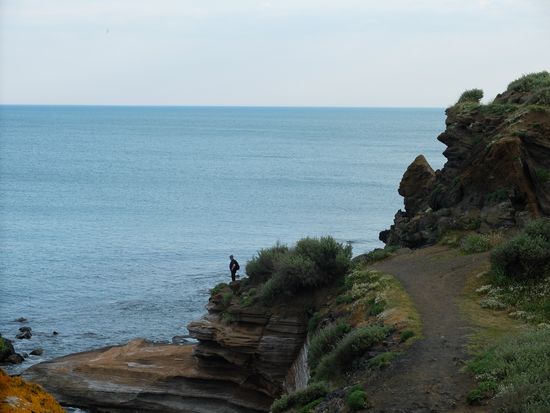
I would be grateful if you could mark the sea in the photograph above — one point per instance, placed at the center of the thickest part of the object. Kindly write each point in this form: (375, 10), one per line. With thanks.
(116, 221)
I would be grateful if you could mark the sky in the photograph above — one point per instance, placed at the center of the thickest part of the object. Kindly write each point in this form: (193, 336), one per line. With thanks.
(383, 53)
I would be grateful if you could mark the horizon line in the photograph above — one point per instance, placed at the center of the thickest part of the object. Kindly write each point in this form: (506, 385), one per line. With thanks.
(219, 106)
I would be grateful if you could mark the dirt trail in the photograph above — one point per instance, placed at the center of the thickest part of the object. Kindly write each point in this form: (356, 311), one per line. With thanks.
(427, 377)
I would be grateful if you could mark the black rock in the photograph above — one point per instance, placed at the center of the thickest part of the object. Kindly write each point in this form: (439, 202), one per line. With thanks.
(37, 352)
(26, 335)
(6, 349)
(25, 329)
(21, 320)
(55, 333)
(180, 340)
(15, 358)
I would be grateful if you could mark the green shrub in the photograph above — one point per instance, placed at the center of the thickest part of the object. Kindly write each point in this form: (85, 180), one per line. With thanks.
(495, 197)
(472, 95)
(218, 288)
(357, 399)
(376, 307)
(515, 372)
(383, 360)
(543, 175)
(475, 243)
(406, 335)
(351, 347)
(270, 290)
(313, 322)
(295, 272)
(344, 299)
(227, 296)
(324, 341)
(281, 404)
(331, 258)
(377, 254)
(310, 406)
(540, 97)
(300, 398)
(313, 262)
(262, 266)
(526, 256)
(531, 82)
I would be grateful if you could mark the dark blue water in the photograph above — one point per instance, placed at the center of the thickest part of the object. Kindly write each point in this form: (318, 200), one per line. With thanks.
(115, 221)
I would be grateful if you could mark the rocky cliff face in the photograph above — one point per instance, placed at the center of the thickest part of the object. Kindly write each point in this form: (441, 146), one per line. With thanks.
(260, 344)
(497, 173)
(239, 365)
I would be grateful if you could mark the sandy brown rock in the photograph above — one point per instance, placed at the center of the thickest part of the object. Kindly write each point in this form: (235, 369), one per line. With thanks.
(142, 376)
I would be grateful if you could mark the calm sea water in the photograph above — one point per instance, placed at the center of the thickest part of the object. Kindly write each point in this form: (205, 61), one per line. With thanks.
(115, 221)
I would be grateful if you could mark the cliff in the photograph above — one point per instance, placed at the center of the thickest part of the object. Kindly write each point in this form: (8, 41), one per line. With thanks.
(497, 173)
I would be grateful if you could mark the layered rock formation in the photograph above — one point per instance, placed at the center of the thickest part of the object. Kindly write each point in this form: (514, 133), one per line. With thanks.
(497, 173)
(240, 364)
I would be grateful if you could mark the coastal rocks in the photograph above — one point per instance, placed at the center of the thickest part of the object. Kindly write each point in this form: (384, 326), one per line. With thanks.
(497, 173)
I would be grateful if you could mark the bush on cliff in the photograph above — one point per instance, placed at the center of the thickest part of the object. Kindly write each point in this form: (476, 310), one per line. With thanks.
(260, 268)
(313, 262)
(526, 256)
(351, 347)
(332, 259)
(472, 95)
(324, 341)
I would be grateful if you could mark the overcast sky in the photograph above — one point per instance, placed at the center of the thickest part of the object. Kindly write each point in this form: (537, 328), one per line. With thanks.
(259, 52)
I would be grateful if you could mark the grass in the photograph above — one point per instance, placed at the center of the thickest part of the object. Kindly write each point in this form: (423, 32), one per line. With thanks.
(514, 372)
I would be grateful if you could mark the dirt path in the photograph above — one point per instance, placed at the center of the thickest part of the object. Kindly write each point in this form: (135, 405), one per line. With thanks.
(427, 377)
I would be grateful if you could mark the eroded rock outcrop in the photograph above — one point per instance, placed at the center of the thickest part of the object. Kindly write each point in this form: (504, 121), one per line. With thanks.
(497, 173)
(239, 365)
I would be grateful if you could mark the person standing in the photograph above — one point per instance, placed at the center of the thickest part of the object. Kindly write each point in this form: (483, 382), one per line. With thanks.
(233, 267)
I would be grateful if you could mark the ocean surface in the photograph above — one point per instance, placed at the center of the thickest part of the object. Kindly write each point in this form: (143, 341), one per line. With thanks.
(116, 221)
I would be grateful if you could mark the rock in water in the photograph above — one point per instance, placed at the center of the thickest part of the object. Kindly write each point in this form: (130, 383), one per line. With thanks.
(6, 349)
(37, 352)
